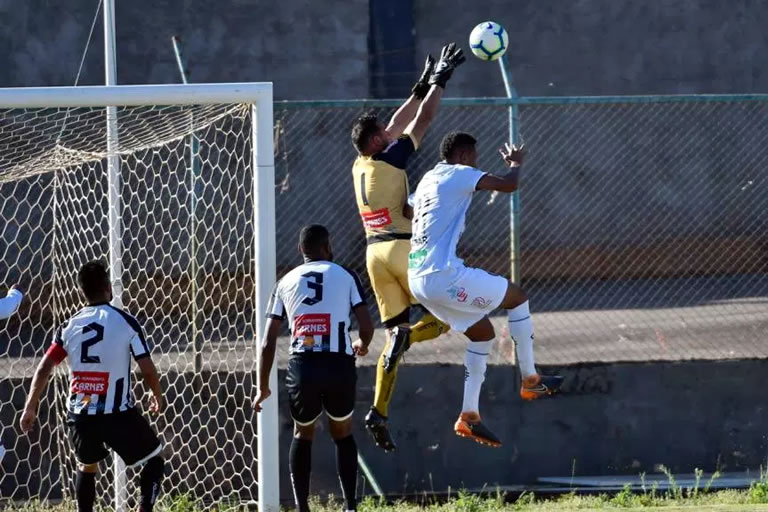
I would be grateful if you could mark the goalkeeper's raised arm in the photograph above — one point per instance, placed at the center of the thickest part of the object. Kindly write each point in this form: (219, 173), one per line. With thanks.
(450, 58)
(10, 304)
(407, 111)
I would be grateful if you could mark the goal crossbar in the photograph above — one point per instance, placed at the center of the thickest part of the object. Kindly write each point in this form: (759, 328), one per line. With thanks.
(135, 95)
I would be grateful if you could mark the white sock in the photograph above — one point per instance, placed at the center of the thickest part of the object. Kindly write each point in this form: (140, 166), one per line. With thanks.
(475, 362)
(521, 331)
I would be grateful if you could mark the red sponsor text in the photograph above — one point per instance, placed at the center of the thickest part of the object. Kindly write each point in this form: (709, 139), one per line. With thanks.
(377, 219)
(90, 383)
(316, 324)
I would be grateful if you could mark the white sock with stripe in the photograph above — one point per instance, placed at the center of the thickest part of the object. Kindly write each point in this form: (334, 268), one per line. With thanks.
(521, 331)
(475, 363)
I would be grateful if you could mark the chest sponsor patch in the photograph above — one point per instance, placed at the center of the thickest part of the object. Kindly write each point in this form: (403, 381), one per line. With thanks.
(90, 383)
(376, 219)
(316, 324)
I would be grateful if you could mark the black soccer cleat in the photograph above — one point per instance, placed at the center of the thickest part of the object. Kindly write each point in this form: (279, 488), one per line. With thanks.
(376, 424)
(400, 341)
(538, 386)
(470, 425)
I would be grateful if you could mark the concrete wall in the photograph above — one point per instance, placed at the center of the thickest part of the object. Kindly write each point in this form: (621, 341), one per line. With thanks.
(320, 49)
(593, 47)
(296, 44)
(619, 419)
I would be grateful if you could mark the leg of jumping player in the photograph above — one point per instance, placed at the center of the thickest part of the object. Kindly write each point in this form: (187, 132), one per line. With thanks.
(469, 424)
(388, 272)
(521, 331)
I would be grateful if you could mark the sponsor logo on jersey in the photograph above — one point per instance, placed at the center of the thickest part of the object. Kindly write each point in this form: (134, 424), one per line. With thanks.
(459, 294)
(416, 258)
(481, 302)
(310, 325)
(376, 219)
(90, 383)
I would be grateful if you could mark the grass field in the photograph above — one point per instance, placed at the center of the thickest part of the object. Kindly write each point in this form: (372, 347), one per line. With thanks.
(674, 498)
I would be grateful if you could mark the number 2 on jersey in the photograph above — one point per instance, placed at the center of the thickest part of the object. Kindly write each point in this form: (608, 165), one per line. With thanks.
(98, 335)
(314, 283)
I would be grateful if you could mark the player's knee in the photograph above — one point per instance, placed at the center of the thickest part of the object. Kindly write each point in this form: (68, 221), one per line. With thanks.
(401, 319)
(481, 331)
(306, 432)
(88, 468)
(514, 296)
(340, 429)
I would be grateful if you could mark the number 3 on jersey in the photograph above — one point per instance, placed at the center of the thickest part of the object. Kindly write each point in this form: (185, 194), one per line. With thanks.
(314, 283)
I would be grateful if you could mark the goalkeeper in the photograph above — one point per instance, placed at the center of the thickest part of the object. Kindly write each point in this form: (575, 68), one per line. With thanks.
(381, 190)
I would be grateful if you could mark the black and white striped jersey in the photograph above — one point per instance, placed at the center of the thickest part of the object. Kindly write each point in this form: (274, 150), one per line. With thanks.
(99, 342)
(317, 298)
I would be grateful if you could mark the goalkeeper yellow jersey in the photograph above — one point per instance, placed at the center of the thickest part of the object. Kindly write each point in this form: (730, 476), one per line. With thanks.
(381, 189)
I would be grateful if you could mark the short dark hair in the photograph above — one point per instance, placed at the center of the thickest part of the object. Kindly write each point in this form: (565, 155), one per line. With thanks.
(364, 128)
(313, 238)
(93, 279)
(454, 142)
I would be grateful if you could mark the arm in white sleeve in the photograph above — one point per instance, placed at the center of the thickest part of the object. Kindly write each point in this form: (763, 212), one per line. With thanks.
(10, 304)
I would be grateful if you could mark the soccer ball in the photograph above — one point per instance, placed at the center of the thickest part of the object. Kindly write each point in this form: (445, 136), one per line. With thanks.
(488, 40)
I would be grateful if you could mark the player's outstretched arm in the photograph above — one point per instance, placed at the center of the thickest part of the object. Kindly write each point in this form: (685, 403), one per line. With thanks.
(151, 377)
(407, 110)
(266, 360)
(10, 304)
(450, 58)
(513, 157)
(365, 330)
(39, 381)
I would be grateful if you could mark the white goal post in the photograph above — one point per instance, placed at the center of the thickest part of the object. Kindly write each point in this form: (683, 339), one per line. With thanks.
(126, 198)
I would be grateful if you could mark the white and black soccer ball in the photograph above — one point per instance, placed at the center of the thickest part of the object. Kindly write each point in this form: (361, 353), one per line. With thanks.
(488, 40)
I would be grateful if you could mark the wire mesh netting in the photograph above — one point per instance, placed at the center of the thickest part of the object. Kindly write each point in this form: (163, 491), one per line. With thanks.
(643, 238)
(188, 274)
(643, 229)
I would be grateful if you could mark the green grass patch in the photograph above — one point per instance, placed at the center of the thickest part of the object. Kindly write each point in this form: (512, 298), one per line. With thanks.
(698, 497)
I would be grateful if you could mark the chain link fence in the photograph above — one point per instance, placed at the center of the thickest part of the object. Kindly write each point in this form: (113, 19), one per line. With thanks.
(644, 230)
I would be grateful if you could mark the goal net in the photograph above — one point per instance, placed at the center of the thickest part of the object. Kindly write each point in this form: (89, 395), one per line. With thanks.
(173, 186)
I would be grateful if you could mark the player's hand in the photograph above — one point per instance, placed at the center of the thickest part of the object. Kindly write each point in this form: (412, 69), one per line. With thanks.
(156, 404)
(513, 155)
(421, 88)
(260, 397)
(450, 58)
(28, 419)
(16, 287)
(359, 348)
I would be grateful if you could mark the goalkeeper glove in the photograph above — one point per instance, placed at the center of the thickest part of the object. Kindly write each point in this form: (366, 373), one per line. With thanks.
(421, 88)
(450, 58)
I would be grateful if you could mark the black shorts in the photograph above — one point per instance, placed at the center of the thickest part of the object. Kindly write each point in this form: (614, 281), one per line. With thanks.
(127, 433)
(321, 381)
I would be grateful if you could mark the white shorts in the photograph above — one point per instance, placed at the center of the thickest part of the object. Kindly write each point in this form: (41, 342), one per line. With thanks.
(461, 296)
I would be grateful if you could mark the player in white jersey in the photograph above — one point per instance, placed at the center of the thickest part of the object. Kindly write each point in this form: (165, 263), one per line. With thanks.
(99, 342)
(316, 299)
(462, 296)
(10, 304)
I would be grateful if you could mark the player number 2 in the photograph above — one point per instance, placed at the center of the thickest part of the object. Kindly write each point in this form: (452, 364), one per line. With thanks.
(314, 283)
(98, 335)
